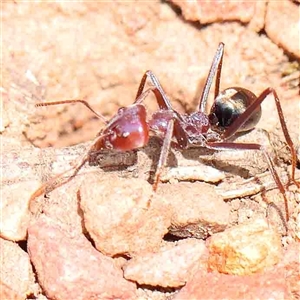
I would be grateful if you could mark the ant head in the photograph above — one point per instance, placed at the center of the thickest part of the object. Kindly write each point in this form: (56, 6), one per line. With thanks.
(128, 130)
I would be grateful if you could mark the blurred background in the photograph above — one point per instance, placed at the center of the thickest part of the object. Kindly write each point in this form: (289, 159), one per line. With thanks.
(99, 51)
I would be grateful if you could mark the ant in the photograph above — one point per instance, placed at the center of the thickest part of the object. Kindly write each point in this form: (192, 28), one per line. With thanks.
(234, 110)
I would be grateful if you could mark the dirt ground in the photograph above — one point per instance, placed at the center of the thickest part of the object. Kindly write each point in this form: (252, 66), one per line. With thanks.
(99, 51)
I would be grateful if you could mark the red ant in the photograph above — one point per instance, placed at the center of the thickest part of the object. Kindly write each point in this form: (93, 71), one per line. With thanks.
(234, 110)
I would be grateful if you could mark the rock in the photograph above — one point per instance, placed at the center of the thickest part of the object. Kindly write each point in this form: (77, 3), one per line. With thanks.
(297, 221)
(17, 280)
(5, 120)
(14, 209)
(291, 266)
(280, 282)
(216, 11)
(245, 249)
(68, 267)
(172, 266)
(197, 211)
(187, 173)
(7, 293)
(61, 205)
(216, 286)
(282, 25)
(117, 216)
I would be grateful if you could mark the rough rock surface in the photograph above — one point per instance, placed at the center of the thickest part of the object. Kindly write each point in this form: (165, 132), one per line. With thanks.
(15, 216)
(118, 217)
(16, 275)
(61, 205)
(196, 216)
(291, 265)
(284, 14)
(269, 15)
(220, 286)
(281, 282)
(172, 266)
(215, 11)
(245, 249)
(68, 267)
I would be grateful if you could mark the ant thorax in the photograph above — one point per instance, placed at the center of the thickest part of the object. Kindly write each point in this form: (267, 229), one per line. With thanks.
(159, 121)
(196, 126)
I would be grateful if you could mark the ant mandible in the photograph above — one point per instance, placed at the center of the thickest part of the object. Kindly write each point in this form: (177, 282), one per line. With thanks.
(234, 110)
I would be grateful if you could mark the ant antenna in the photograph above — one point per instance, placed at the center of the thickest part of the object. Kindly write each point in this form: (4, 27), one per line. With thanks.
(102, 118)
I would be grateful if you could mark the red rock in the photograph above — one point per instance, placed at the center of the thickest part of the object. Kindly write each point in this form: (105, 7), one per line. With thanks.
(68, 267)
(172, 266)
(291, 266)
(215, 11)
(61, 205)
(117, 216)
(16, 274)
(202, 212)
(245, 249)
(230, 287)
(282, 25)
(14, 208)
(8, 293)
(281, 282)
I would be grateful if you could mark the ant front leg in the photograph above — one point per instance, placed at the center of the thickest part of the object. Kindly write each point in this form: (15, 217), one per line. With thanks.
(163, 156)
(161, 97)
(164, 153)
(239, 121)
(164, 123)
(61, 178)
(166, 112)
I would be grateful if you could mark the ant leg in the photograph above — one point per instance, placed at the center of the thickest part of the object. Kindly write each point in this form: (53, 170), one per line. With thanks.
(216, 66)
(279, 212)
(163, 154)
(144, 95)
(162, 99)
(249, 146)
(164, 104)
(102, 118)
(54, 183)
(233, 128)
(162, 158)
(60, 179)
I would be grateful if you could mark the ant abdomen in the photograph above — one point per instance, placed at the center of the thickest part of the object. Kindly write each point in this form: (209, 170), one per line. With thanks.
(229, 105)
